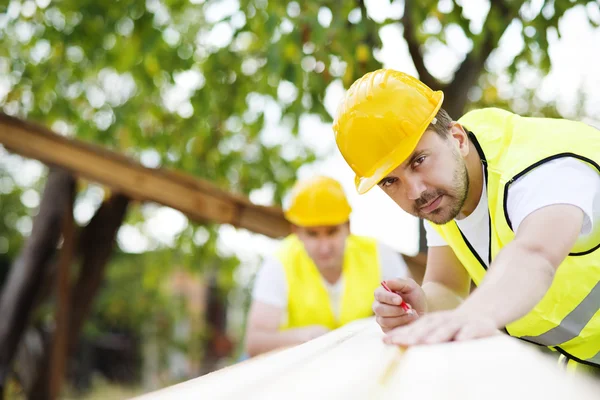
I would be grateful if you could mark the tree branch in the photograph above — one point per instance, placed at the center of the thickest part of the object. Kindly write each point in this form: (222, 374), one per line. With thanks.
(472, 66)
(414, 48)
(370, 40)
(95, 245)
(372, 35)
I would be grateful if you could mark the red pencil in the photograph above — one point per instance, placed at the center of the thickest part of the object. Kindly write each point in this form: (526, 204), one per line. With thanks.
(405, 306)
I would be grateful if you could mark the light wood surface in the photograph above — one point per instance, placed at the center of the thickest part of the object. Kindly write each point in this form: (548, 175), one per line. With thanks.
(353, 363)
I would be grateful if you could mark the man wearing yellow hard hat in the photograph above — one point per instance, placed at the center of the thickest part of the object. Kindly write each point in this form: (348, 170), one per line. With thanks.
(513, 203)
(322, 276)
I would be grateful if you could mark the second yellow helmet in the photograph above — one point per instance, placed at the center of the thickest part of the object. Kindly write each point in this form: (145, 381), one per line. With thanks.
(380, 121)
(318, 201)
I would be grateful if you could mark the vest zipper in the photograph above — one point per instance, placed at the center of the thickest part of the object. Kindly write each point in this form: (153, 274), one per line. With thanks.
(485, 171)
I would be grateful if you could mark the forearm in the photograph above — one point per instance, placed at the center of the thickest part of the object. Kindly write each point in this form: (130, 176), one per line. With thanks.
(516, 281)
(262, 341)
(440, 298)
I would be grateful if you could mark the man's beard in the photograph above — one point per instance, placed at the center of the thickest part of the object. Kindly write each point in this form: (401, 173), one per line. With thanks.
(455, 198)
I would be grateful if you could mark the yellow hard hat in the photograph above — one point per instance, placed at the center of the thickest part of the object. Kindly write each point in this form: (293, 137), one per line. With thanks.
(318, 201)
(380, 121)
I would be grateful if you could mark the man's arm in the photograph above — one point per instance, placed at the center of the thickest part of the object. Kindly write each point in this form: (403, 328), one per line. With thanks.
(516, 281)
(446, 282)
(523, 271)
(263, 334)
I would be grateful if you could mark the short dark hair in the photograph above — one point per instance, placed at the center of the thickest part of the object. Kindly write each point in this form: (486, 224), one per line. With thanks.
(442, 125)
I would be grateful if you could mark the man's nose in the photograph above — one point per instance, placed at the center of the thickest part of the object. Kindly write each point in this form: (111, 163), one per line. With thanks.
(324, 245)
(414, 188)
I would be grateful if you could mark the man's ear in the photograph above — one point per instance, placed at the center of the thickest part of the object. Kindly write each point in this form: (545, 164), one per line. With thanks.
(460, 137)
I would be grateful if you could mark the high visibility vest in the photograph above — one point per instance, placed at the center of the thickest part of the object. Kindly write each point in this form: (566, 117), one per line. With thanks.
(567, 319)
(308, 301)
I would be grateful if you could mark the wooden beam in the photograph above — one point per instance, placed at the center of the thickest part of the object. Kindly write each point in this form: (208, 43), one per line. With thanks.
(354, 363)
(198, 199)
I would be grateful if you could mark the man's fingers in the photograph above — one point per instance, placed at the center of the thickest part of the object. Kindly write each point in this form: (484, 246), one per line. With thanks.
(415, 333)
(438, 327)
(468, 333)
(401, 285)
(388, 323)
(385, 297)
(386, 310)
(442, 333)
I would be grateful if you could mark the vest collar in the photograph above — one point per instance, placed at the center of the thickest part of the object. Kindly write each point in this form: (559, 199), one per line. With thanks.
(473, 139)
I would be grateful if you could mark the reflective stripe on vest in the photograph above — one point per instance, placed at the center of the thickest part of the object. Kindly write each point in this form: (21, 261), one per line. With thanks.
(572, 324)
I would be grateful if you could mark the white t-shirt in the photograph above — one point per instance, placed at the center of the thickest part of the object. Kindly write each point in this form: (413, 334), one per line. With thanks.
(561, 181)
(270, 285)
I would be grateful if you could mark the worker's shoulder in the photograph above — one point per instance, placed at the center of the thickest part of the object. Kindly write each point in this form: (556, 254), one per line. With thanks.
(488, 114)
(495, 115)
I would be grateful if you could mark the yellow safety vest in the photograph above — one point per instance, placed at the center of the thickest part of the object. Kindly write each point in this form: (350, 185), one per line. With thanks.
(567, 319)
(308, 301)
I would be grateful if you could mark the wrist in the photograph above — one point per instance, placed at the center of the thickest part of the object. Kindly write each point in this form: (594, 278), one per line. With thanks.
(471, 310)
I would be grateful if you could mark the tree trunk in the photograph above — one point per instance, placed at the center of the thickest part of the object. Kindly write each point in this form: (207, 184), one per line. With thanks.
(27, 273)
(95, 246)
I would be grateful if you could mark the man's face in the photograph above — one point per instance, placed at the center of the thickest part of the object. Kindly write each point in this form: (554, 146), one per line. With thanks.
(325, 244)
(433, 182)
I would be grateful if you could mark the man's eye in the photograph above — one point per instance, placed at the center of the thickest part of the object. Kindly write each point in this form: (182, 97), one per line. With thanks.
(418, 161)
(388, 182)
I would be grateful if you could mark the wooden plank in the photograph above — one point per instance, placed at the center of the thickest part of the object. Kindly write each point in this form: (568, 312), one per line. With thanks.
(496, 368)
(354, 363)
(198, 199)
(333, 375)
(255, 372)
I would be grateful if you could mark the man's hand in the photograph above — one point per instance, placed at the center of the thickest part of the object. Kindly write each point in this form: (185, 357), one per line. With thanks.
(387, 308)
(442, 326)
(310, 332)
